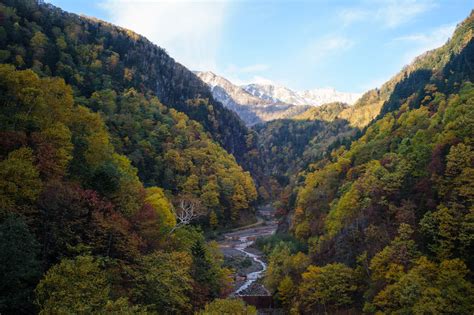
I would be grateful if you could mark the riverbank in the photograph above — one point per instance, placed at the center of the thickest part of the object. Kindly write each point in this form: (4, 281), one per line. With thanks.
(248, 263)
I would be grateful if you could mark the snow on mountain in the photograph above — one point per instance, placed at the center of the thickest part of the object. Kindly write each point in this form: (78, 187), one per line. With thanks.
(313, 97)
(234, 93)
(260, 102)
(274, 93)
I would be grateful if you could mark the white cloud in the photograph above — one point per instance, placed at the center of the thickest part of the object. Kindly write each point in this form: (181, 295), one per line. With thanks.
(318, 50)
(397, 12)
(189, 30)
(388, 13)
(422, 42)
(350, 16)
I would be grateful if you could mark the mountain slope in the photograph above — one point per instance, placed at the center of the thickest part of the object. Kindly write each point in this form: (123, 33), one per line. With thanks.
(275, 93)
(326, 112)
(104, 191)
(93, 55)
(389, 218)
(251, 109)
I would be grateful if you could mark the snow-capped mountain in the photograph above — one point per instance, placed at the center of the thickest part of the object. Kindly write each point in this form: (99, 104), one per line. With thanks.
(251, 109)
(313, 97)
(274, 93)
(233, 92)
(256, 103)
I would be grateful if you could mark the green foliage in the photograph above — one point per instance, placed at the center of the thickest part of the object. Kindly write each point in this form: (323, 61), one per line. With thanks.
(205, 276)
(429, 288)
(20, 182)
(163, 282)
(268, 243)
(331, 287)
(108, 60)
(19, 265)
(61, 171)
(398, 203)
(282, 262)
(228, 306)
(73, 286)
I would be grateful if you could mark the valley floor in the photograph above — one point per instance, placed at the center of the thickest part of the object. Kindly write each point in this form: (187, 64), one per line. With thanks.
(247, 261)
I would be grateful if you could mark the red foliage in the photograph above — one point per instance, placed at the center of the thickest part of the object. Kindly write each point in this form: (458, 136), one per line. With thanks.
(73, 216)
(11, 140)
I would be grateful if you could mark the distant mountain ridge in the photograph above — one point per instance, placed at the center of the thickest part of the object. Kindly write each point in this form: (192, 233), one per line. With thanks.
(313, 97)
(257, 103)
(250, 108)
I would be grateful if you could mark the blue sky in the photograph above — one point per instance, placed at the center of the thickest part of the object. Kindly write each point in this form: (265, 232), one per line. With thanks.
(349, 45)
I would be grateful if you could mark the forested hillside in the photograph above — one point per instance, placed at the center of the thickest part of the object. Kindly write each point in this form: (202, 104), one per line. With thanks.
(119, 170)
(93, 55)
(287, 147)
(389, 222)
(104, 191)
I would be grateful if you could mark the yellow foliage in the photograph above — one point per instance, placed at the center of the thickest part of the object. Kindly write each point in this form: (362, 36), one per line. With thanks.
(156, 197)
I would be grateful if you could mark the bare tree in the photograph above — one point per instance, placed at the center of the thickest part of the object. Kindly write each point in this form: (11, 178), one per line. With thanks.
(187, 209)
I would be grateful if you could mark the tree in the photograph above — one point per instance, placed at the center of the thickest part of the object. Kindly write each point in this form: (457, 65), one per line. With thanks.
(429, 288)
(210, 194)
(213, 220)
(104, 101)
(19, 266)
(239, 202)
(387, 264)
(331, 286)
(204, 273)
(155, 196)
(38, 44)
(162, 282)
(191, 186)
(73, 286)
(286, 292)
(19, 178)
(228, 307)
(54, 150)
(188, 209)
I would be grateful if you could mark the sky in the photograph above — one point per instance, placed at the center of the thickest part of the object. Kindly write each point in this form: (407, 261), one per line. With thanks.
(352, 46)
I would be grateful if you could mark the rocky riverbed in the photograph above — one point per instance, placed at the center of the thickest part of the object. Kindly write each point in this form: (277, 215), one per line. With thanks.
(248, 262)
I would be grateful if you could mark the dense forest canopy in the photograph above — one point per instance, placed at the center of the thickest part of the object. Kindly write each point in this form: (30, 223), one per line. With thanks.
(105, 190)
(93, 55)
(388, 220)
(118, 168)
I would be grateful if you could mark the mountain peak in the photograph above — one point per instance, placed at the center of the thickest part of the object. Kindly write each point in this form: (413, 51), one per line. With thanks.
(313, 97)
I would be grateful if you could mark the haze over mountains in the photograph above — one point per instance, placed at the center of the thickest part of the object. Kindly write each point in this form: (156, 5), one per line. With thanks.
(256, 103)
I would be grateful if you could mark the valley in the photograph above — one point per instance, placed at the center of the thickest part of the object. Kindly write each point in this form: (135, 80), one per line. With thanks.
(130, 184)
(237, 246)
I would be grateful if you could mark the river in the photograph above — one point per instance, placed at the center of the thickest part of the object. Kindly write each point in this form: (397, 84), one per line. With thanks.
(239, 243)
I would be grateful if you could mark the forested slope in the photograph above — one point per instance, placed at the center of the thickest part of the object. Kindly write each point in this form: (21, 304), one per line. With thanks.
(105, 191)
(389, 222)
(93, 55)
(114, 159)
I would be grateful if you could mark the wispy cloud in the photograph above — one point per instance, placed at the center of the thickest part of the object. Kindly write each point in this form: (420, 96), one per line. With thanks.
(352, 15)
(189, 30)
(422, 42)
(388, 13)
(318, 50)
(398, 12)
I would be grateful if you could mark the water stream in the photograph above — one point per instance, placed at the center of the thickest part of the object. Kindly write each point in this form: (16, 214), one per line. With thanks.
(253, 276)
